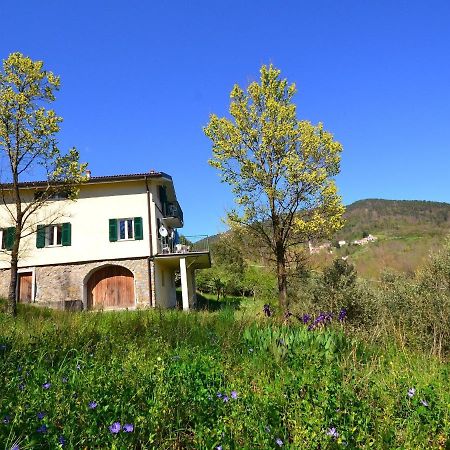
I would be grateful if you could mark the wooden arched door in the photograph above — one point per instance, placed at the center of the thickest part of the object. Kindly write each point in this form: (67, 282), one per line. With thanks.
(110, 287)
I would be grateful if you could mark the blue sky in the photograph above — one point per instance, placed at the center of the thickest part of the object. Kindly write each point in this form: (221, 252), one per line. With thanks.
(139, 80)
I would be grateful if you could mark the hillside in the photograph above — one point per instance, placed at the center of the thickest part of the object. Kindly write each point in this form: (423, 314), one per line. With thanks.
(407, 230)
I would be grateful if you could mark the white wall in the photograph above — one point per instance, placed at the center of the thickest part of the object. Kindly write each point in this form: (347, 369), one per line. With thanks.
(89, 216)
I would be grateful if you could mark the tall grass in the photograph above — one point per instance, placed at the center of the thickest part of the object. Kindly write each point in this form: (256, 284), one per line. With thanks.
(205, 380)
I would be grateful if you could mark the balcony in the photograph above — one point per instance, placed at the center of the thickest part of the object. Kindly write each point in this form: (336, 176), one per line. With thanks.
(186, 244)
(172, 215)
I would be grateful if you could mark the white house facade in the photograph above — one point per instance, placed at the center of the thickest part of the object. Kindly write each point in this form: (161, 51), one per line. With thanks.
(116, 246)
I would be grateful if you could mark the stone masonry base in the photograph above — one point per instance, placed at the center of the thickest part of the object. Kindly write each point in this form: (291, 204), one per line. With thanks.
(63, 286)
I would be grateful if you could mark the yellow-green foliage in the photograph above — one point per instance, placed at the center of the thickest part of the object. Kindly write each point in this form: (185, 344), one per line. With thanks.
(280, 168)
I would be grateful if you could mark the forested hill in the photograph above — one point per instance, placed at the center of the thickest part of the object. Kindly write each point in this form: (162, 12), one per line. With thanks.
(406, 231)
(395, 217)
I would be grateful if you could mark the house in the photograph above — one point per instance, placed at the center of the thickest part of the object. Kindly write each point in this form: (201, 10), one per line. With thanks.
(323, 247)
(365, 240)
(116, 246)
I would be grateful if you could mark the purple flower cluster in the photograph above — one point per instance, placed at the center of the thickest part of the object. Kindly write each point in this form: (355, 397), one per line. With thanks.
(225, 398)
(321, 320)
(92, 405)
(332, 432)
(116, 427)
(42, 429)
(46, 385)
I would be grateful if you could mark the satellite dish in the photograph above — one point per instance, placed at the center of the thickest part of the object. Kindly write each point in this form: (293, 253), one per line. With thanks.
(162, 231)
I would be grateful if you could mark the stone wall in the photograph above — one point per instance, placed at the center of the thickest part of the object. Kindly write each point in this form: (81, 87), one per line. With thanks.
(63, 286)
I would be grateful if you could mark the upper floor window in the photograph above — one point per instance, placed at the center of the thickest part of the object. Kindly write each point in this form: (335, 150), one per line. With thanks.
(60, 195)
(53, 235)
(7, 238)
(126, 229)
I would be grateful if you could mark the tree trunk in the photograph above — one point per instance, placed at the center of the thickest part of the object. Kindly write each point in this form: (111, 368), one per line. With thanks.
(12, 293)
(282, 278)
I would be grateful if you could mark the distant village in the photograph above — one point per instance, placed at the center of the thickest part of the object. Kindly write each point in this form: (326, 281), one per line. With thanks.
(327, 246)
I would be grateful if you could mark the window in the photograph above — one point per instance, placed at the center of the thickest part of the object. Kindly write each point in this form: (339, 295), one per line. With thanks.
(53, 235)
(59, 195)
(7, 238)
(126, 229)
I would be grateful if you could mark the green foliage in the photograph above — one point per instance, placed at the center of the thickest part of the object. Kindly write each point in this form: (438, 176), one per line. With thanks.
(280, 168)
(168, 373)
(28, 130)
(28, 144)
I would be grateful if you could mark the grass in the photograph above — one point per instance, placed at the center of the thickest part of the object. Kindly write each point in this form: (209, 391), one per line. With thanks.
(173, 376)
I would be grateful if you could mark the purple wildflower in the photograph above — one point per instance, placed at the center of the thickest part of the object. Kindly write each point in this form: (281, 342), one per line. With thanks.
(219, 447)
(225, 398)
(234, 394)
(15, 447)
(115, 427)
(424, 403)
(279, 442)
(219, 395)
(342, 314)
(411, 392)
(42, 429)
(92, 405)
(6, 420)
(306, 318)
(333, 433)
(128, 428)
(62, 440)
(46, 385)
(267, 311)
(40, 415)
(21, 386)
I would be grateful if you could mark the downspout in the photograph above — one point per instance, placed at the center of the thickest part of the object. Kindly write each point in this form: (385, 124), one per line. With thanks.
(150, 291)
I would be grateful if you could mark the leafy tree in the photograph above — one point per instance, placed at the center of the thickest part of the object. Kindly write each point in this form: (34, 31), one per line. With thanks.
(28, 144)
(280, 169)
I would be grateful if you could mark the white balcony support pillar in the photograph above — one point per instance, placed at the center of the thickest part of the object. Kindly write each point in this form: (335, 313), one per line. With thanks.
(184, 284)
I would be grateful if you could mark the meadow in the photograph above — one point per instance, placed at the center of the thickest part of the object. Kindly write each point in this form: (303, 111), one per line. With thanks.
(231, 378)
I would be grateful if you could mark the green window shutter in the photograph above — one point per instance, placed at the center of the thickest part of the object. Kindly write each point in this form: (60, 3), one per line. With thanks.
(40, 236)
(112, 230)
(10, 238)
(162, 194)
(66, 238)
(138, 229)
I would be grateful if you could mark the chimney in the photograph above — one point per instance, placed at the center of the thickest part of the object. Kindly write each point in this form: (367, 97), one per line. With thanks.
(88, 174)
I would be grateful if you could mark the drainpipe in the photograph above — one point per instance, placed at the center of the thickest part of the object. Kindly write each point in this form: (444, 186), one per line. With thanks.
(150, 291)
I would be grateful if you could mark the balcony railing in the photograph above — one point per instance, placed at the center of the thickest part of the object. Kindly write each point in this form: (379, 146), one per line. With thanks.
(185, 244)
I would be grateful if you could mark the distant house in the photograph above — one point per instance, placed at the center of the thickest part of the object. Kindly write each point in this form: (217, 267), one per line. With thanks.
(365, 240)
(116, 246)
(320, 248)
